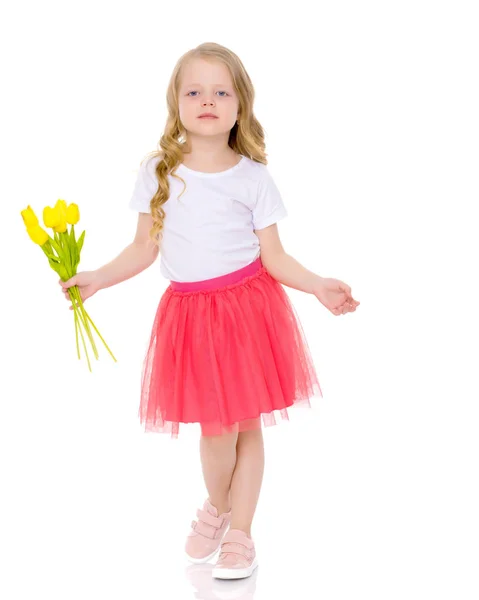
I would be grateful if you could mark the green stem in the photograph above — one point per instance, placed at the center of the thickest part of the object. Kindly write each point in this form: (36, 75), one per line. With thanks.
(83, 314)
(90, 334)
(83, 317)
(57, 247)
(88, 316)
(64, 242)
(83, 339)
(76, 307)
(76, 333)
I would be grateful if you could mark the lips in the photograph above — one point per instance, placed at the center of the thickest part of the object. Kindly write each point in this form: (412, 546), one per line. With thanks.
(208, 116)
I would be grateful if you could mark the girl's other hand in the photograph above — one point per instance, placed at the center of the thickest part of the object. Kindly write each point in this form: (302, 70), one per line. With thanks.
(335, 295)
(88, 284)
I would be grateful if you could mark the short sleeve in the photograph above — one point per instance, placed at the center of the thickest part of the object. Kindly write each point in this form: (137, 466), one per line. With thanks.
(145, 188)
(269, 207)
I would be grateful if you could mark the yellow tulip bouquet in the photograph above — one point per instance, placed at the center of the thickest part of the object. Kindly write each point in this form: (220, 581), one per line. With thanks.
(63, 253)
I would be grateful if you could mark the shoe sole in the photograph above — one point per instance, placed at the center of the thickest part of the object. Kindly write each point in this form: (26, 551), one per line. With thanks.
(199, 561)
(221, 573)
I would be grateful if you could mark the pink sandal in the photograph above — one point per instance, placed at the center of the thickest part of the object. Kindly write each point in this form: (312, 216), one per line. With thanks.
(237, 558)
(206, 533)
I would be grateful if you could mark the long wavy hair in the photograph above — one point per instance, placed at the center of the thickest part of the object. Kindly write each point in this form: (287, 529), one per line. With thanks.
(246, 136)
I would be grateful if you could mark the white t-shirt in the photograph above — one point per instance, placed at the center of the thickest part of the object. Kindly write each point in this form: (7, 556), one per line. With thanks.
(209, 231)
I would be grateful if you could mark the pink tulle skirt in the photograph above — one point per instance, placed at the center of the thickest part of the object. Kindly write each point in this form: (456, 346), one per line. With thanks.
(227, 353)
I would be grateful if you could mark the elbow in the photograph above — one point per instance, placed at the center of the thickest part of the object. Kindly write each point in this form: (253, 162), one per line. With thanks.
(272, 261)
(149, 250)
(154, 252)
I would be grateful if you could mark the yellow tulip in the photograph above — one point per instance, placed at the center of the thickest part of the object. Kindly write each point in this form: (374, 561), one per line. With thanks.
(29, 217)
(37, 234)
(61, 205)
(73, 214)
(61, 227)
(61, 208)
(51, 216)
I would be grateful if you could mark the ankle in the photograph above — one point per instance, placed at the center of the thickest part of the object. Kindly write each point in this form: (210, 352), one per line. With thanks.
(221, 505)
(244, 529)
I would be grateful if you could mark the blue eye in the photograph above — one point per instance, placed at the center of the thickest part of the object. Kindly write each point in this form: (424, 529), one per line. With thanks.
(194, 92)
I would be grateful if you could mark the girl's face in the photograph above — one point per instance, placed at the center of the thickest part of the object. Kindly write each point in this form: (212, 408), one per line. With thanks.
(206, 86)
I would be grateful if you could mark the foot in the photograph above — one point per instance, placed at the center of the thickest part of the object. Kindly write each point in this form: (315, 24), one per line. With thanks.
(237, 557)
(206, 533)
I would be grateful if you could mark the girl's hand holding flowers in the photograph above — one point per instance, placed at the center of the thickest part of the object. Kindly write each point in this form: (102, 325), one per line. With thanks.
(87, 283)
(63, 253)
(335, 295)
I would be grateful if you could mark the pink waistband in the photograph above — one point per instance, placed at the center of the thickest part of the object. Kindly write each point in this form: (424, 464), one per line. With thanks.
(217, 282)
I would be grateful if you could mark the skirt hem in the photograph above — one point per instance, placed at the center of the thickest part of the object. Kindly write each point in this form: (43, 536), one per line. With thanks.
(262, 419)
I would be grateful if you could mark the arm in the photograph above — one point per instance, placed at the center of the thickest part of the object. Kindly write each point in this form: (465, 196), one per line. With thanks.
(283, 267)
(134, 259)
(334, 294)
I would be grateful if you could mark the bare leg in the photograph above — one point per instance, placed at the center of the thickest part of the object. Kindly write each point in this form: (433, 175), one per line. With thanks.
(247, 479)
(218, 459)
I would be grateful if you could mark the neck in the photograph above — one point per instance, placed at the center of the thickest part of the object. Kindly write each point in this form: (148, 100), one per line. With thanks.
(211, 150)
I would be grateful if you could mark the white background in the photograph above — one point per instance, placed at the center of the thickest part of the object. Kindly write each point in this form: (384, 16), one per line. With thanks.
(371, 116)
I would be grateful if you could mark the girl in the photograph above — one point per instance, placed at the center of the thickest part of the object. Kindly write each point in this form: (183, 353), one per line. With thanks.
(227, 349)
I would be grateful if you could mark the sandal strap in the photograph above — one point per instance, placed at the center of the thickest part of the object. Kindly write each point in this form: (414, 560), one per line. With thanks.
(204, 529)
(207, 517)
(238, 536)
(237, 548)
(208, 525)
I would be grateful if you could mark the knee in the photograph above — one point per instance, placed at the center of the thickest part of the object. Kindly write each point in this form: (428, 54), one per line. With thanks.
(253, 434)
(227, 433)
(251, 426)
(224, 441)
